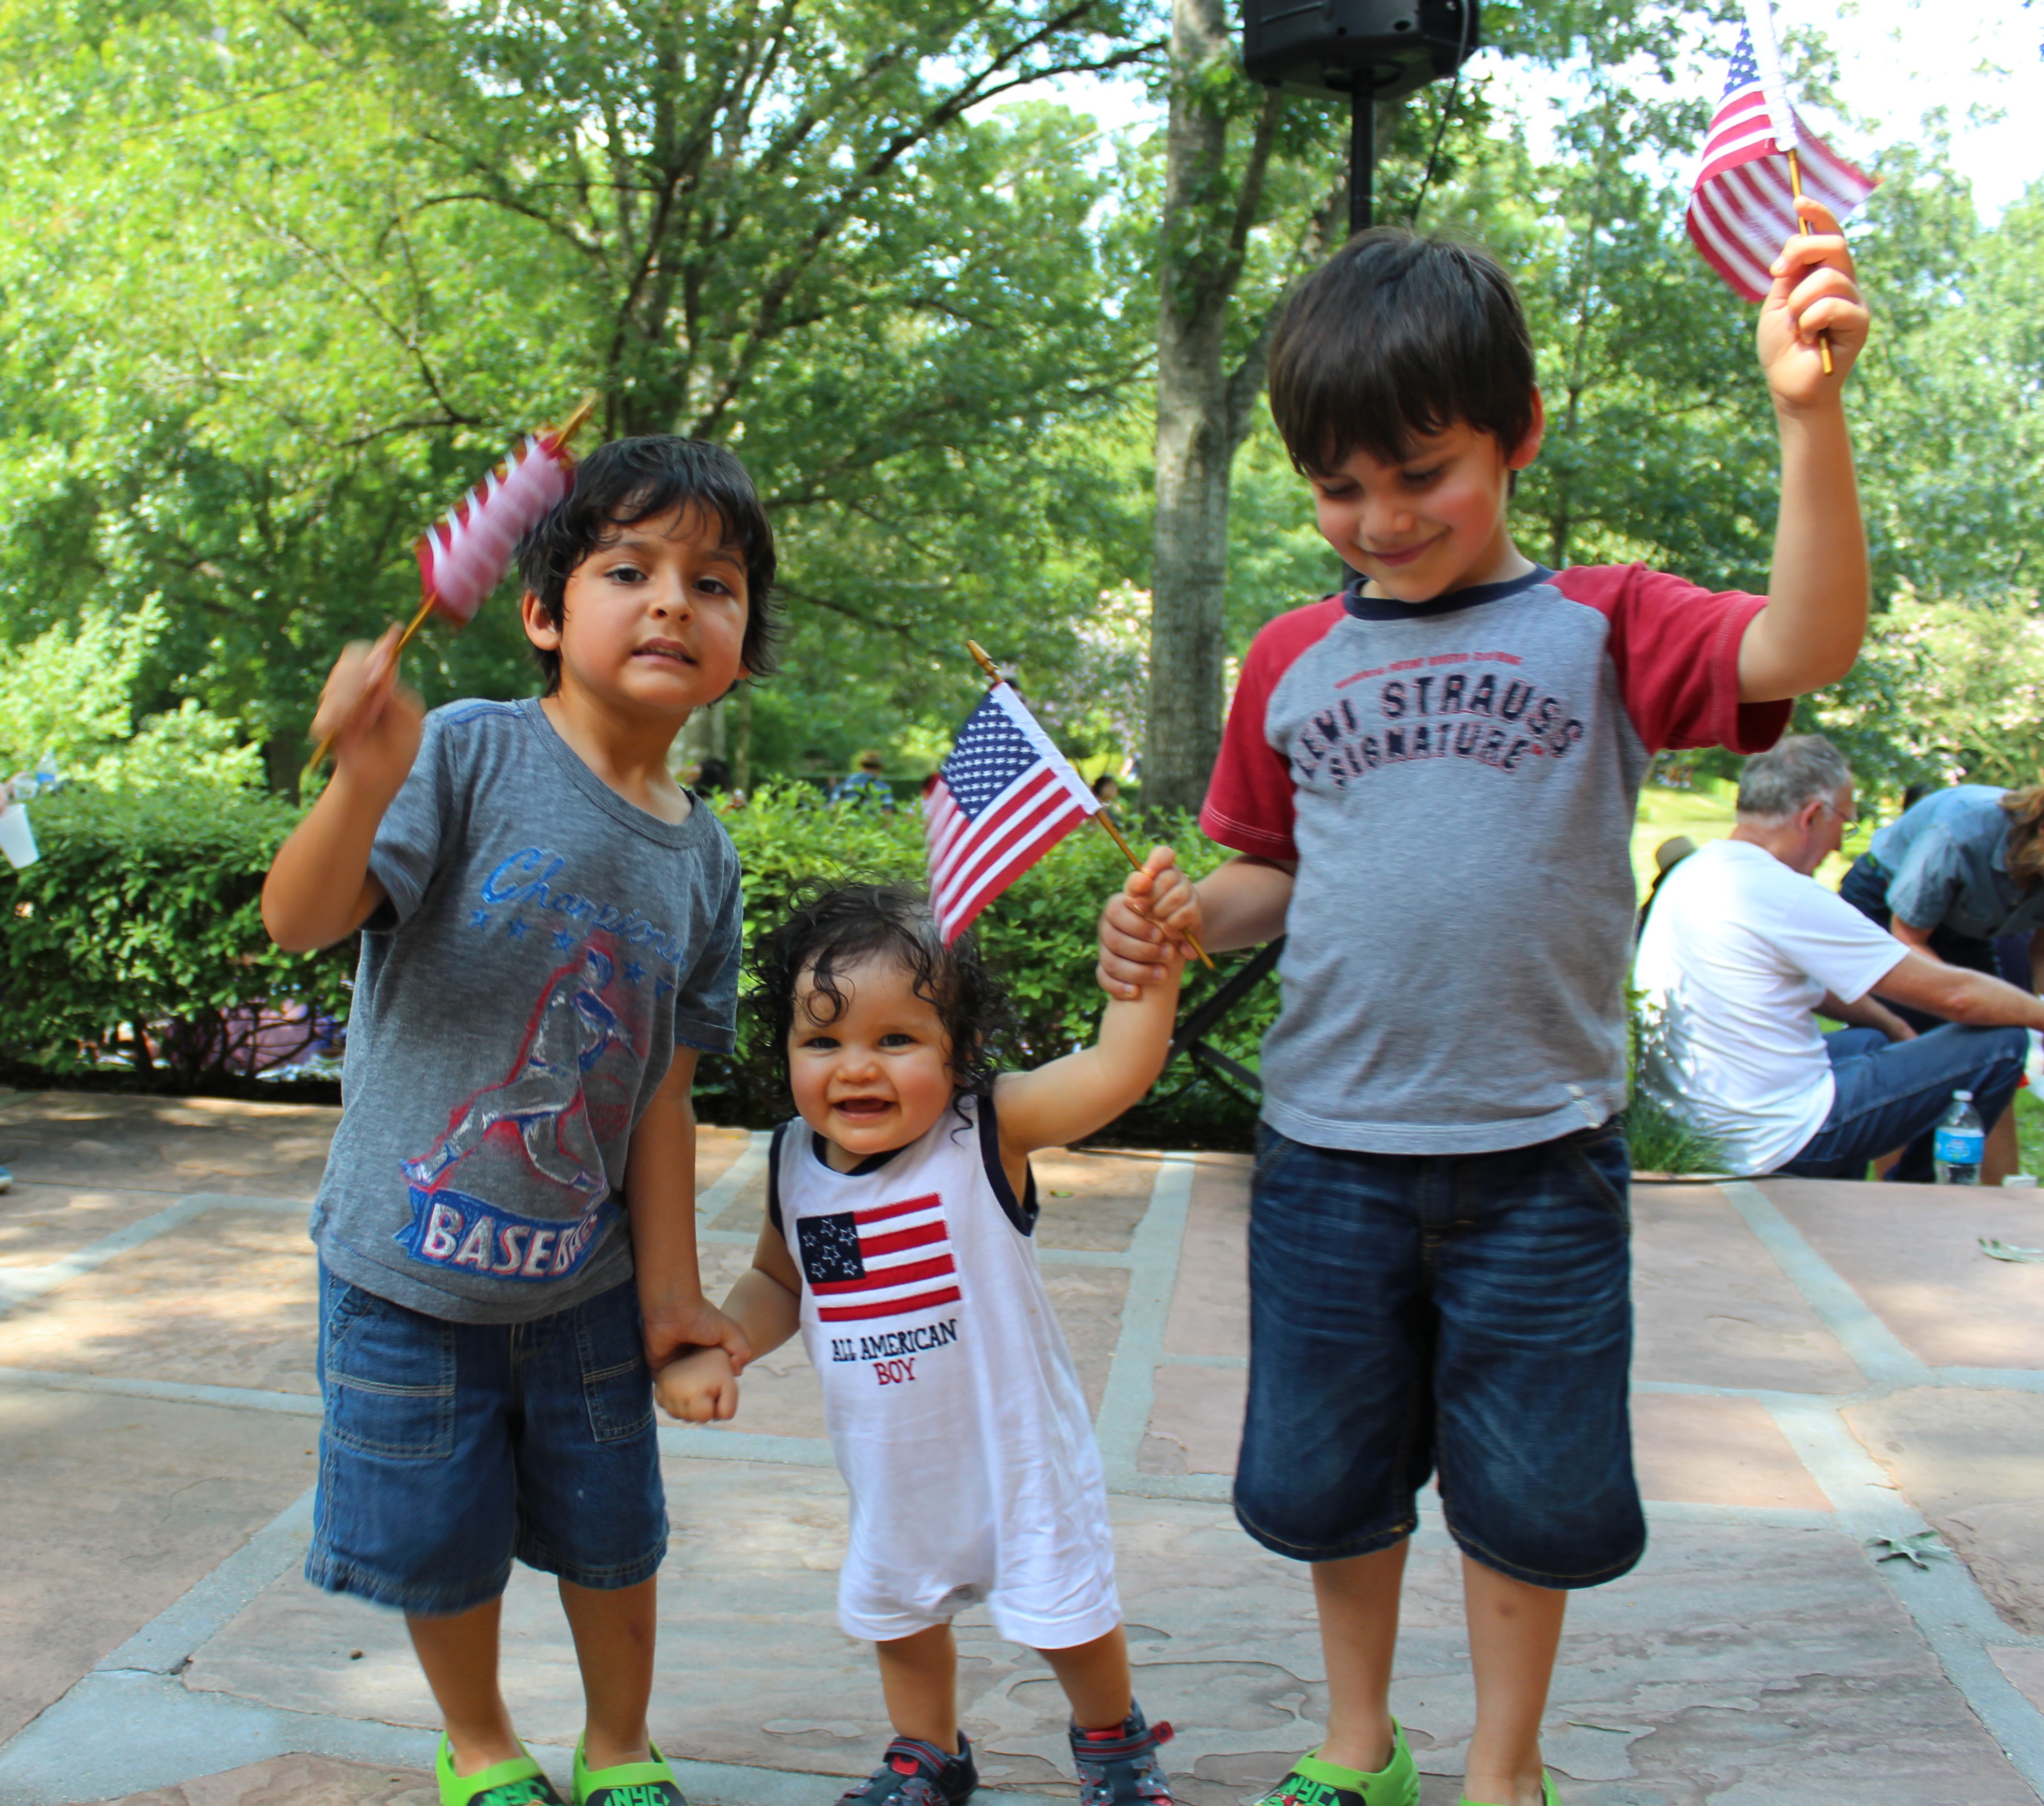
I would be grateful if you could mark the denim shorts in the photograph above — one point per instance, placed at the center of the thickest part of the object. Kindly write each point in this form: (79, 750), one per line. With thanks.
(1467, 1314)
(449, 1449)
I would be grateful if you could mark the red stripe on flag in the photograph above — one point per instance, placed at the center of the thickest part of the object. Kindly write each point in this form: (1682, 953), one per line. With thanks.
(1014, 823)
(894, 1242)
(954, 924)
(901, 1209)
(898, 1308)
(909, 1273)
(953, 865)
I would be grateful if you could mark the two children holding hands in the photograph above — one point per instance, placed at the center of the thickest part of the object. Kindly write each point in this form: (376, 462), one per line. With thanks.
(1428, 781)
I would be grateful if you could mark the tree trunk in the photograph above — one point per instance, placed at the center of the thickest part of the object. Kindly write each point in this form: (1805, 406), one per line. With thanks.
(1203, 410)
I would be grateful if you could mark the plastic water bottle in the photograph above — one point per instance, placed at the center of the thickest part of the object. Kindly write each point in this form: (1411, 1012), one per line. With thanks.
(1959, 1142)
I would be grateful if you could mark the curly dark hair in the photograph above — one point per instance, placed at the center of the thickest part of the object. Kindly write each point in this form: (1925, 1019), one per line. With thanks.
(831, 928)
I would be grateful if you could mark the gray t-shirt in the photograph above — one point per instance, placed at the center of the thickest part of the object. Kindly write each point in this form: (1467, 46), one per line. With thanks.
(1947, 862)
(545, 948)
(1456, 780)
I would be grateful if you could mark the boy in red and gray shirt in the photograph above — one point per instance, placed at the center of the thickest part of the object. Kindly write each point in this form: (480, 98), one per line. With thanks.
(1429, 780)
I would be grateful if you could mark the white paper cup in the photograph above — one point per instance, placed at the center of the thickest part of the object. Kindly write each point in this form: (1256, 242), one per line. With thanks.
(17, 839)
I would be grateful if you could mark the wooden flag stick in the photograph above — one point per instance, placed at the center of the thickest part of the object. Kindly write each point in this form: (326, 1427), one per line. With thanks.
(1795, 189)
(1099, 815)
(569, 428)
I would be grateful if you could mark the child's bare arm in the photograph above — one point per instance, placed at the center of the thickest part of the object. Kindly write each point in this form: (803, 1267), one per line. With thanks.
(1240, 903)
(319, 888)
(660, 1191)
(1084, 1091)
(1809, 633)
(701, 1387)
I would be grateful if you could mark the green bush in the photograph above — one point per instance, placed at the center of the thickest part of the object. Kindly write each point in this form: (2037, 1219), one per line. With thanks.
(1039, 935)
(143, 909)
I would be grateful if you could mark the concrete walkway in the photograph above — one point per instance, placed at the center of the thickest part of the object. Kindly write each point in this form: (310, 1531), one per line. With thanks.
(1820, 1366)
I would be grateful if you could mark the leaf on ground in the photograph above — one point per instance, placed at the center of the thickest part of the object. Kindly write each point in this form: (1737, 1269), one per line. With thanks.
(1916, 1550)
(2008, 1250)
(1062, 1194)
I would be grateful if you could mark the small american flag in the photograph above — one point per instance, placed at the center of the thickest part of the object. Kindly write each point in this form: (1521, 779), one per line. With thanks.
(1743, 208)
(885, 1263)
(1004, 799)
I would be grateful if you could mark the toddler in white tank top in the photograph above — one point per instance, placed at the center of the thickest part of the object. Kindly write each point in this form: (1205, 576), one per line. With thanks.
(899, 1210)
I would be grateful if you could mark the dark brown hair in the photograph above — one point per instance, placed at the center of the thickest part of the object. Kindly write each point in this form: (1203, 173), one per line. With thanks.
(1396, 337)
(628, 481)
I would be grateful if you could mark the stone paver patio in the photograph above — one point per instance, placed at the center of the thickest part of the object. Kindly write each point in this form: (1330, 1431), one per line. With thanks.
(1819, 1365)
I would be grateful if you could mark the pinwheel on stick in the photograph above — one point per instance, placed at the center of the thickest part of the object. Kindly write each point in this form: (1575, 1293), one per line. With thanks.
(463, 556)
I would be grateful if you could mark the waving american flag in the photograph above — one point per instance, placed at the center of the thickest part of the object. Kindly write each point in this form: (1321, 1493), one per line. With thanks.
(1004, 799)
(1743, 209)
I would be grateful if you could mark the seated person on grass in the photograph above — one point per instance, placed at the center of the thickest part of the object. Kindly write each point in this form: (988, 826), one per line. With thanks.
(1745, 947)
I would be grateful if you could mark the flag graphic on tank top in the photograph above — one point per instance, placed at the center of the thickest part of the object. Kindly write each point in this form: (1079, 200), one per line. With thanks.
(883, 1262)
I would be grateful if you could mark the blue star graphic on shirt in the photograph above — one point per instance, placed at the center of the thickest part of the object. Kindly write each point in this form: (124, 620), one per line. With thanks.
(478, 918)
(563, 940)
(515, 928)
(633, 972)
(661, 987)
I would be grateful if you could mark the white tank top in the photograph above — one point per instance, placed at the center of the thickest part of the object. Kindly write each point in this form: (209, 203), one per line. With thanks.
(953, 1411)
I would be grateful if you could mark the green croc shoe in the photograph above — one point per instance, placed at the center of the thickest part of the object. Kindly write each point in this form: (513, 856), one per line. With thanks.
(518, 1782)
(1548, 1796)
(629, 1784)
(1312, 1782)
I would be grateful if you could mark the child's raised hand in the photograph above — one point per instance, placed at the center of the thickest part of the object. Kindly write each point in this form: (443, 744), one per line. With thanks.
(700, 1388)
(374, 719)
(1814, 292)
(1154, 909)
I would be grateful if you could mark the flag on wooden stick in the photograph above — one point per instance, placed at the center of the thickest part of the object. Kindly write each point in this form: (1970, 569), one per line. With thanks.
(1004, 798)
(463, 556)
(1742, 205)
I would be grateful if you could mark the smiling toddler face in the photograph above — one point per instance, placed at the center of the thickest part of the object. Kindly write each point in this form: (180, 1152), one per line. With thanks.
(876, 1074)
(653, 619)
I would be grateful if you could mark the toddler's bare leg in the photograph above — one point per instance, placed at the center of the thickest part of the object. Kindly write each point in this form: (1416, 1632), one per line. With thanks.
(1514, 1630)
(1095, 1677)
(1358, 1599)
(614, 1639)
(460, 1657)
(919, 1678)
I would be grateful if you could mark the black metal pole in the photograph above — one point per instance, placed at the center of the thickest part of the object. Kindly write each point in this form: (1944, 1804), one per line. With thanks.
(1361, 149)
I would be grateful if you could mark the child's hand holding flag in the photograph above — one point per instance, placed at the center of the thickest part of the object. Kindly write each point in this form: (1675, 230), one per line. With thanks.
(1750, 195)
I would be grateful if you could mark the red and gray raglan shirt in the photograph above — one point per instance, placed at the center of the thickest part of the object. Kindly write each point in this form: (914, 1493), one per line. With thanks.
(1457, 781)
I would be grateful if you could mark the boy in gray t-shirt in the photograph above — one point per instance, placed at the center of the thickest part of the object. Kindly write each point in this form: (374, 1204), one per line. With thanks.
(506, 1228)
(1429, 781)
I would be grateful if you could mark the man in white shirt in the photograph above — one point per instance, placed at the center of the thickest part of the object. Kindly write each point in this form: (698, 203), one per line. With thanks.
(1745, 947)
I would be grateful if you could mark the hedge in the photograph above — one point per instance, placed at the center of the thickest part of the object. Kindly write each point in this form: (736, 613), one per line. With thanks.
(144, 911)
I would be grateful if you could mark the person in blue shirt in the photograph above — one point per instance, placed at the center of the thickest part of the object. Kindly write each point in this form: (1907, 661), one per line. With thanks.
(1956, 877)
(864, 785)
(1957, 872)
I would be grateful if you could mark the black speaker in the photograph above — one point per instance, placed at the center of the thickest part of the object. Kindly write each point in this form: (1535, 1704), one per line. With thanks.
(1384, 48)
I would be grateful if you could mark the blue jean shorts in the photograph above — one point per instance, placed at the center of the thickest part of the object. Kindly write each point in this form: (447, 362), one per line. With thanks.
(448, 1450)
(1469, 1315)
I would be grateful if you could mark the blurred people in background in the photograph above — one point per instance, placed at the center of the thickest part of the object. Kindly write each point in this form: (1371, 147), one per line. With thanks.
(864, 784)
